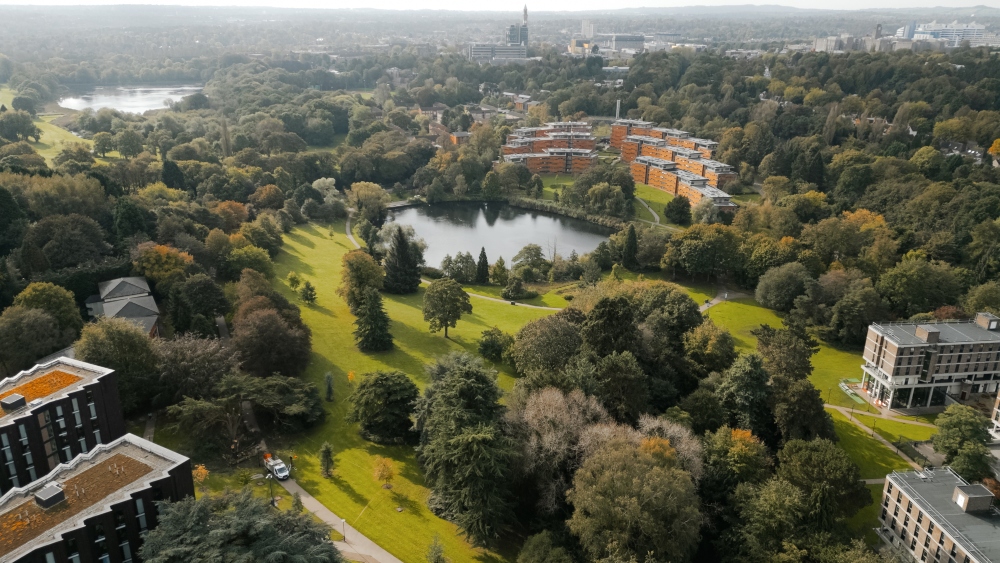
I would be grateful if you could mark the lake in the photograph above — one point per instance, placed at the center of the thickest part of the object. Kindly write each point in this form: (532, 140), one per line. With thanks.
(133, 100)
(450, 228)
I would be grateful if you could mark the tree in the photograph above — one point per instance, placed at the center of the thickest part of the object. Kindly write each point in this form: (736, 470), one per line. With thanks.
(172, 175)
(482, 268)
(105, 143)
(745, 395)
(499, 273)
(120, 345)
(326, 459)
(957, 426)
(162, 264)
(384, 471)
(25, 336)
(402, 265)
(778, 287)
(444, 303)
(383, 404)
(733, 456)
(188, 366)
(769, 520)
(371, 331)
(494, 344)
(129, 219)
(917, 285)
(678, 211)
(609, 520)
(631, 249)
(128, 143)
(12, 222)
(268, 197)
(248, 257)
(294, 280)
(609, 326)
(830, 481)
(266, 343)
(622, 386)
(973, 462)
(328, 378)
(198, 295)
(216, 529)
(785, 355)
(545, 344)
(199, 474)
(55, 301)
(435, 552)
(61, 241)
(710, 347)
(799, 413)
(369, 200)
(361, 272)
(981, 298)
(540, 548)
(707, 413)
(308, 293)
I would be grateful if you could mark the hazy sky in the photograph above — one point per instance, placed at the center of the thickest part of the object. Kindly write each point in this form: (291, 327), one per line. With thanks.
(544, 5)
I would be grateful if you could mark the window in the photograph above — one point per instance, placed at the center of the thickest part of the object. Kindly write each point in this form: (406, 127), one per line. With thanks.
(930, 528)
(902, 533)
(140, 511)
(888, 489)
(50, 557)
(906, 521)
(895, 511)
(884, 512)
(126, 552)
(923, 557)
(892, 526)
(920, 516)
(72, 550)
(913, 544)
(909, 505)
(927, 540)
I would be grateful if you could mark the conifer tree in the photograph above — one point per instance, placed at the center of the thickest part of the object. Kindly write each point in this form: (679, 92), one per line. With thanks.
(483, 268)
(499, 273)
(372, 325)
(326, 459)
(402, 268)
(631, 250)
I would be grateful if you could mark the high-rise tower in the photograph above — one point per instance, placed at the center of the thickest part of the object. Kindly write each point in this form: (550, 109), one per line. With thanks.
(518, 34)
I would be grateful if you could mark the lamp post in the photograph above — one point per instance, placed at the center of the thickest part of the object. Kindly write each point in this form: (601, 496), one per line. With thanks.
(343, 523)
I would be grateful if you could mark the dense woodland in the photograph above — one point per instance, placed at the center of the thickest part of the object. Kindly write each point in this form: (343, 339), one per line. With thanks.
(629, 392)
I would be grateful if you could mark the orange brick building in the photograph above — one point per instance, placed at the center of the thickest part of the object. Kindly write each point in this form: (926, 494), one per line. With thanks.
(689, 160)
(558, 147)
(553, 140)
(667, 176)
(556, 161)
(622, 129)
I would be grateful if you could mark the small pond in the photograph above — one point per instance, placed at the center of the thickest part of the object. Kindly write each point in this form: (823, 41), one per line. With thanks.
(450, 228)
(133, 100)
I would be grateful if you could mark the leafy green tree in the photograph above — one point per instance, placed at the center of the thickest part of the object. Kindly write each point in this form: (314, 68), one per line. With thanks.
(678, 211)
(13, 222)
(494, 344)
(778, 287)
(215, 529)
(973, 462)
(710, 347)
(608, 520)
(609, 326)
(745, 395)
(733, 456)
(785, 355)
(371, 332)
(957, 426)
(266, 344)
(499, 273)
(128, 143)
(444, 303)
(623, 387)
(188, 366)
(25, 336)
(294, 280)
(402, 265)
(483, 268)
(250, 257)
(631, 249)
(308, 293)
(172, 175)
(540, 548)
(983, 298)
(383, 404)
(545, 344)
(104, 143)
(829, 480)
(129, 219)
(467, 460)
(197, 295)
(917, 285)
(124, 347)
(770, 521)
(56, 301)
(707, 413)
(360, 273)
(799, 413)
(855, 312)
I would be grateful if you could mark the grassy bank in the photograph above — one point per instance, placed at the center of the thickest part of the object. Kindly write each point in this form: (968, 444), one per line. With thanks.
(874, 459)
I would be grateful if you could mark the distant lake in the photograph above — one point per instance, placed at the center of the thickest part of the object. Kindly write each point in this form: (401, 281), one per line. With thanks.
(132, 100)
(450, 228)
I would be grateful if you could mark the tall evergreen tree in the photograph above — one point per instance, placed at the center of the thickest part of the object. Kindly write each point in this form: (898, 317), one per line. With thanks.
(172, 175)
(372, 325)
(483, 268)
(402, 267)
(630, 253)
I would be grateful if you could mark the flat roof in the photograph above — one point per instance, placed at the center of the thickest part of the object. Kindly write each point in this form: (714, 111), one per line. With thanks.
(633, 122)
(952, 332)
(646, 139)
(978, 533)
(690, 154)
(715, 165)
(657, 162)
(706, 142)
(49, 381)
(672, 132)
(91, 482)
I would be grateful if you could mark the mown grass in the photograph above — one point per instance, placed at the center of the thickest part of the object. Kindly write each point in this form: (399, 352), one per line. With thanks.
(866, 520)
(315, 253)
(895, 431)
(549, 294)
(53, 139)
(875, 460)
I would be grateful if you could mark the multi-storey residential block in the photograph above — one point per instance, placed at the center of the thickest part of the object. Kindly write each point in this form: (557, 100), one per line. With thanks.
(52, 413)
(665, 175)
(556, 148)
(556, 161)
(624, 128)
(96, 508)
(911, 365)
(936, 516)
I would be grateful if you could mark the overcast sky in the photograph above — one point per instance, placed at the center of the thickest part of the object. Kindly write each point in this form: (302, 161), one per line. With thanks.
(538, 5)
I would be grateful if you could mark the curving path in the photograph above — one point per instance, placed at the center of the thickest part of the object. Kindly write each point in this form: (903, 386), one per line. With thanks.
(351, 238)
(656, 218)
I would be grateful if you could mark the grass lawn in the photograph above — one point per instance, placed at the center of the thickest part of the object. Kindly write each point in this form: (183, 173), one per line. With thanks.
(54, 138)
(549, 294)
(830, 364)
(895, 431)
(747, 198)
(338, 139)
(866, 520)
(874, 459)
(315, 253)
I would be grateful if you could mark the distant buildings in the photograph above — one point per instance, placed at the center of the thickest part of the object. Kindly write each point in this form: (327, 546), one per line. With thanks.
(126, 298)
(587, 29)
(556, 148)
(513, 50)
(915, 365)
(912, 36)
(936, 516)
(518, 34)
(952, 33)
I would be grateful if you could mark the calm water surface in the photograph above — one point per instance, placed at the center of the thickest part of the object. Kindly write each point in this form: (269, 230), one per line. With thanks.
(450, 228)
(134, 100)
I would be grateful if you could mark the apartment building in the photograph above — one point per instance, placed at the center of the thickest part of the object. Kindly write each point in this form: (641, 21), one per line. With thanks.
(624, 128)
(995, 420)
(552, 139)
(914, 365)
(936, 516)
(50, 414)
(96, 508)
(665, 175)
(556, 161)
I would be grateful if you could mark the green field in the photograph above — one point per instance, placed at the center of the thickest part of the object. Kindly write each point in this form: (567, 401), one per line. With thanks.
(894, 431)
(548, 294)
(874, 459)
(866, 520)
(830, 364)
(54, 138)
(315, 253)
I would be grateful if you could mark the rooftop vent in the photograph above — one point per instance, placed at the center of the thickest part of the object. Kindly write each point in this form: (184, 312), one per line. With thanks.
(50, 496)
(972, 498)
(989, 321)
(12, 402)
(928, 334)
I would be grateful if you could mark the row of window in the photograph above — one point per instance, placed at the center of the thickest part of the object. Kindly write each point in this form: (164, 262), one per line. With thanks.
(902, 532)
(101, 540)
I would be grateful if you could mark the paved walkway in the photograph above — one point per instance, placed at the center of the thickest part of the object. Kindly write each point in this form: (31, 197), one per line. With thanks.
(147, 433)
(874, 481)
(351, 238)
(723, 295)
(656, 218)
(355, 546)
